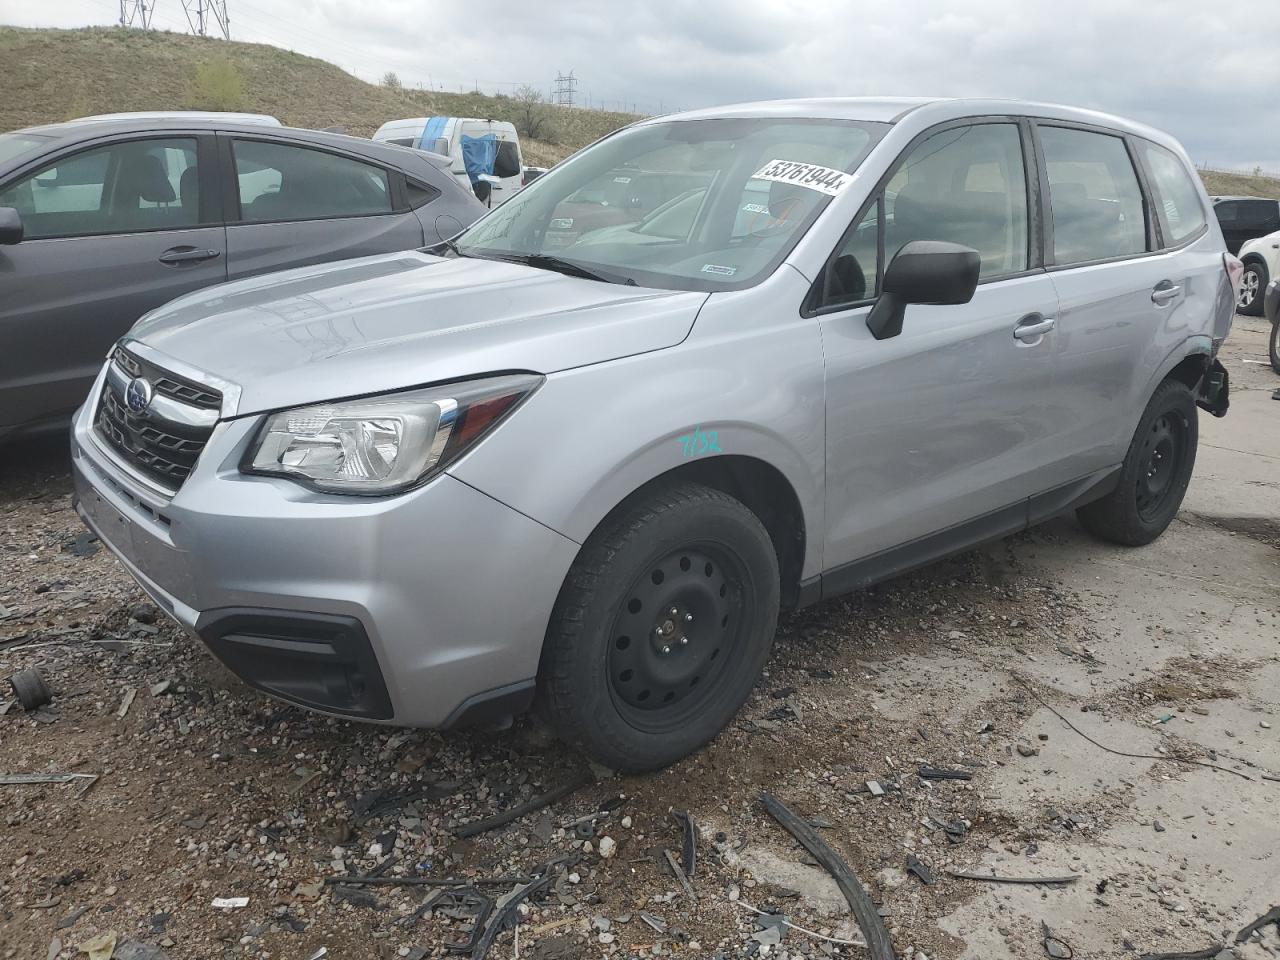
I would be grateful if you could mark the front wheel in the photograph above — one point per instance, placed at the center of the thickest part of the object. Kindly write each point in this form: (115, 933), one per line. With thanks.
(1155, 473)
(1253, 287)
(661, 629)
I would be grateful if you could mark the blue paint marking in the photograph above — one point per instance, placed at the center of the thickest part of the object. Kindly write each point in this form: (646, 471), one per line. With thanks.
(699, 442)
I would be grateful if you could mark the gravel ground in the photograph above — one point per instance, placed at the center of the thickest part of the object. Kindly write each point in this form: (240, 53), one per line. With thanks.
(206, 789)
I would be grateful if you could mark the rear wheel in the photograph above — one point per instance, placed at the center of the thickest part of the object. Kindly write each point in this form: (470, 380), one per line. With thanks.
(1253, 286)
(661, 629)
(1275, 345)
(1155, 472)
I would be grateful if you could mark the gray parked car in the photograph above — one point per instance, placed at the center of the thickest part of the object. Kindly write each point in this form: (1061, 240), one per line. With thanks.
(430, 489)
(104, 219)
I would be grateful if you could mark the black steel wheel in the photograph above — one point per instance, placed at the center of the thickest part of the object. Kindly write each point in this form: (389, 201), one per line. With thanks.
(1155, 473)
(1163, 449)
(662, 627)
(676, 631)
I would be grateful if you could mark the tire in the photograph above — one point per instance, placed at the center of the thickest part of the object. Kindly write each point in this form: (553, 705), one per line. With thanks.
(1275, 345)
(1155, 473)
(616, 680)
(1253, 287)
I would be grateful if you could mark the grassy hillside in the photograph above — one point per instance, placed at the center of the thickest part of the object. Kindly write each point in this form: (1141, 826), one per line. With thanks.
(52, 75)
(1238, 184)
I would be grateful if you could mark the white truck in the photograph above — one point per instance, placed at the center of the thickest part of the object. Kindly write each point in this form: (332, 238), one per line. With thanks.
(493, 172)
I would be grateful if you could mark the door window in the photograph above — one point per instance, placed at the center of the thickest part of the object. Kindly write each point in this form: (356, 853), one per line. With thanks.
(965, 185)
(122, 188)
(1094, 195)
(1176, 198)
(283, 182)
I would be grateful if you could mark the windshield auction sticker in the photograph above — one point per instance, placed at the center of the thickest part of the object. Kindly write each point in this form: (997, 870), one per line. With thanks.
(810, 175)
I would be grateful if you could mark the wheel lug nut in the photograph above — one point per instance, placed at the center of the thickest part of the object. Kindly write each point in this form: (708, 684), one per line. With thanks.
(684, 641)
(673, 611)
(666, 649)
(688, 618)
(657, 631)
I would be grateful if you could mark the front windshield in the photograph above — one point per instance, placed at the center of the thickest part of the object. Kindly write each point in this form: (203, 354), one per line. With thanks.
(688, 204)
(15, 144)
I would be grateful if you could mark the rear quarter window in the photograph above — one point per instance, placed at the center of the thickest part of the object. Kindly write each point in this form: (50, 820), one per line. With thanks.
(1177, 201)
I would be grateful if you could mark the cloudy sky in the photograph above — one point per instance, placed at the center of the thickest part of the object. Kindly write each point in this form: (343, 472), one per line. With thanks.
(1199, 70)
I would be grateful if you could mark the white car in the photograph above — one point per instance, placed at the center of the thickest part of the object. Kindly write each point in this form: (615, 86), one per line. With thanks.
(1261, 257)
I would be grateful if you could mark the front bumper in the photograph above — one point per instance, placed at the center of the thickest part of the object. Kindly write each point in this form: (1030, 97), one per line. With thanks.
(421, 609)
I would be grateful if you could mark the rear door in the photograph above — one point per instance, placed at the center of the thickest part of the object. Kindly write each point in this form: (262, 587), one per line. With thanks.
(946, 426)
(1118, 295)
(111, 231)
(291, 204)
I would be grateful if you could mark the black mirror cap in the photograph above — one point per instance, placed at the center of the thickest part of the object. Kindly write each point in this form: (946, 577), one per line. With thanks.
(933, 272)
(923, 271)
(10, 226)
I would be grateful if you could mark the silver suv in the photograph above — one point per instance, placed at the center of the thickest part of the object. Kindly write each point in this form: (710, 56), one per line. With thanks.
(714, 365)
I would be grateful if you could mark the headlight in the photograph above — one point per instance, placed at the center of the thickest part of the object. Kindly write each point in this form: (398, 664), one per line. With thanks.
(381, 445)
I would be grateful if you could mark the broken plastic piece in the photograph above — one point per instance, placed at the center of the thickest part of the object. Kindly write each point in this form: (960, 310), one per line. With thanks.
(31, 689)
(515, 813)
(689, 848)
(938, 773)
(879, 945)
(993, 878)
(1271, 916)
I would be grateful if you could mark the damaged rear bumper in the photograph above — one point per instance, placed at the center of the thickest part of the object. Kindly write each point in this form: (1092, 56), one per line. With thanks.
(1213, 391)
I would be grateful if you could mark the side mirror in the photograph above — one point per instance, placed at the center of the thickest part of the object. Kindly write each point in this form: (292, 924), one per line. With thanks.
(10, 226)
(923, 271)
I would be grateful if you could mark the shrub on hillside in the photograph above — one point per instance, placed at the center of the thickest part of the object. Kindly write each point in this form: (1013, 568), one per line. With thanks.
(533, 115)
(217, 85)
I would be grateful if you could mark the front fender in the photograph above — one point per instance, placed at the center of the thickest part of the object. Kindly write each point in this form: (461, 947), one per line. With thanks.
(592, 436)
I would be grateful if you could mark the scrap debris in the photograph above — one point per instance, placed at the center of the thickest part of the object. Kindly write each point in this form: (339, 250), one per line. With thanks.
(580, 780)
(678, 870)
(938, 773)
(1271, 916)
(994, 878)
(31, 689)
(21, 779)
(1208, 953)
(1054, 947)
(918, 868)
(864, 911)
(689, 847)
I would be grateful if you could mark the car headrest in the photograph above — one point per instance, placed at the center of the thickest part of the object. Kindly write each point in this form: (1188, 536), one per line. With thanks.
(189, 189)
(143, 178)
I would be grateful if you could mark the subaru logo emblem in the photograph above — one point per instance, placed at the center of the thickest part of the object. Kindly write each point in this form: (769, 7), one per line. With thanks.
(138, 394)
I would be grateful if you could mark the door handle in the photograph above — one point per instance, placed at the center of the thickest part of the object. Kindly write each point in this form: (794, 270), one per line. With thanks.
(1164, 292)
(1033, 326)
(188, 255)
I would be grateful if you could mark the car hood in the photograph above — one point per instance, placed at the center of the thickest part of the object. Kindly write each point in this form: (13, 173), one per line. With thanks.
(406, 319)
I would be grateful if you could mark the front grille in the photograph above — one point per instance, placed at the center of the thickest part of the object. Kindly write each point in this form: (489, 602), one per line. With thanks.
(169, 384)
(157, 448)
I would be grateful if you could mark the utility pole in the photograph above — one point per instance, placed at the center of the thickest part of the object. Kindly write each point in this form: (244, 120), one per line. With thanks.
(203, 14)
(565, 89)
(136, 12)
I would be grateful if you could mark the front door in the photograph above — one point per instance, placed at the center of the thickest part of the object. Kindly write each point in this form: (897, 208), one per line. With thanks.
(946, 426)
(109, 234)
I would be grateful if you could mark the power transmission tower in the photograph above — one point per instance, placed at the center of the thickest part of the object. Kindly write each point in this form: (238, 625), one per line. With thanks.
(201, 14)
(565, 89)
(136, 12)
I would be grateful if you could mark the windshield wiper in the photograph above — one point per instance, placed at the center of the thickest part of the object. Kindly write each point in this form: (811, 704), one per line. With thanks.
(544, 261)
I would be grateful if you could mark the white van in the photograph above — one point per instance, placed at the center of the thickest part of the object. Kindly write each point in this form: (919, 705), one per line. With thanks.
(444, 135)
